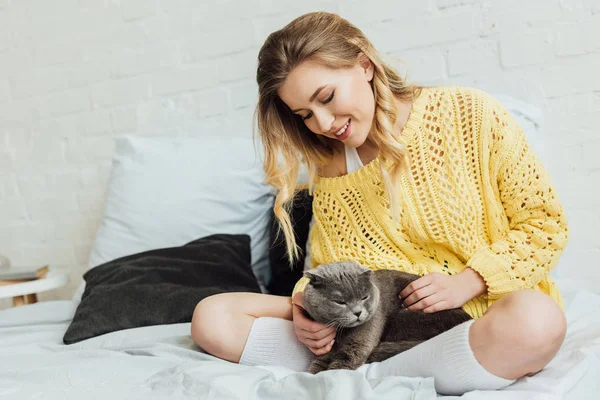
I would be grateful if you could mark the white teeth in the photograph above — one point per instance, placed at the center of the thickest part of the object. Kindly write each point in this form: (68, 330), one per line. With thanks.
(342, 130)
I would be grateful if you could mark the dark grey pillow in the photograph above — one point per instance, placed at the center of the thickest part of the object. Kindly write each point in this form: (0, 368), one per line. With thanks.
(161, 286)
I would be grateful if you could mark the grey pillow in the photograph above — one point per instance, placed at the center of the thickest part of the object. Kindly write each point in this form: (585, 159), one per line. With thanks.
(161, 286)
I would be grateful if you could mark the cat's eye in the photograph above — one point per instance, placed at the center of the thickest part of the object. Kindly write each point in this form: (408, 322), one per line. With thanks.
(340, 302)
(365, 298)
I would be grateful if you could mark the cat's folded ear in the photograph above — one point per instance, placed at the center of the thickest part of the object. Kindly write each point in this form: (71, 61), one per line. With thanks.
(314, 278)
(367, 272)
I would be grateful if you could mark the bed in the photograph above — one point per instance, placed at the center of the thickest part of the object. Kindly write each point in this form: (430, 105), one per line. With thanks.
(162, 361)
(157, 198)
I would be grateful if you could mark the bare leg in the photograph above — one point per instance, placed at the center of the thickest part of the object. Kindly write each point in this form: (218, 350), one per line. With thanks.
(519, 334)
(221, 323)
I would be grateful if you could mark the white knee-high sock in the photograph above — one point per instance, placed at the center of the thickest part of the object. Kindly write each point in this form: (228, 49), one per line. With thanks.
(273, 341)
(448, 358)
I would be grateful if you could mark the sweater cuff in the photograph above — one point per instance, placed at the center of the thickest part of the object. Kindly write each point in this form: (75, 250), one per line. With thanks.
(493, 270)
(300, 285)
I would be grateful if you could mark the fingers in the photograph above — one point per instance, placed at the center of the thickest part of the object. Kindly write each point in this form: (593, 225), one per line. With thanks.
(320, 333)
(439, 306)
(317, 337)
(418, 295)
(309, 327)
(427, 302)
(317, 345)
(319, 342)
(323, 350)
(415, 285)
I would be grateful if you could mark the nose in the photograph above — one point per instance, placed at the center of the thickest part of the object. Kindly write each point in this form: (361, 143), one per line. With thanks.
(357, 313)
(324, 121)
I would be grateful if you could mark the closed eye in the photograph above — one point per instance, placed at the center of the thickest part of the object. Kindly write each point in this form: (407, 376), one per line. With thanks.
(340, 302)
(325, 102)
(365, 298)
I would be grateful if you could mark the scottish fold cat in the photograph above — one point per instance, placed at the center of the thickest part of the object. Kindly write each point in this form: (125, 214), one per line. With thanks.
(371, 323)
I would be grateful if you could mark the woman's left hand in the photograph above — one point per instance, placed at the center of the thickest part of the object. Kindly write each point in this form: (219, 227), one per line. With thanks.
(436, 292)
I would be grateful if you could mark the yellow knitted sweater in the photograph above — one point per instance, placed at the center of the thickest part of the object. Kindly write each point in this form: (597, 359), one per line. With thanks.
(475, 195)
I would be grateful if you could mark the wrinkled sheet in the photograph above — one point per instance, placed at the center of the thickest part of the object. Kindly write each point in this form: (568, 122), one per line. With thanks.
(162, 362)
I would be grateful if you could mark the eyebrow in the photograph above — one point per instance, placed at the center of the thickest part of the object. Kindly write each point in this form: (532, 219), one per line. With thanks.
(311, 98)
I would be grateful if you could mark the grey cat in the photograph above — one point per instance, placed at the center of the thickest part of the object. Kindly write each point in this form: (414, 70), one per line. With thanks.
(364, 306)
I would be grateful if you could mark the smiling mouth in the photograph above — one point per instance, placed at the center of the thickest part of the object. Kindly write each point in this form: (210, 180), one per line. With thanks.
(342, 130)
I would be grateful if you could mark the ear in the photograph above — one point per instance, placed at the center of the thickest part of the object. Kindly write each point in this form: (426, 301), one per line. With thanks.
(366, 273)
(367, 66)
(314, 278)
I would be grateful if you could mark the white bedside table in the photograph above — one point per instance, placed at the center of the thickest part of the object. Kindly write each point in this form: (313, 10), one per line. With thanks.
(25, 292)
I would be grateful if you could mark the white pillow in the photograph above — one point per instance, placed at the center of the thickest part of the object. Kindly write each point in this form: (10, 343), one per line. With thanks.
(167, 191)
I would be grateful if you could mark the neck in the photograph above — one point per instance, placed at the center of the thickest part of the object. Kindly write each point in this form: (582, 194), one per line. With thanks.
(404, 108)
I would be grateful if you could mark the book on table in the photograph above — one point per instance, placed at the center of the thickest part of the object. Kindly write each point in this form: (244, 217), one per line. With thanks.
(22, 274)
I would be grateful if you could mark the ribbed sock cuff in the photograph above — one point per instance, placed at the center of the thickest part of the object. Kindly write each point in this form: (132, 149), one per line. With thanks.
(463, 372)
(261, 344)
(273, 341)
(447, 358)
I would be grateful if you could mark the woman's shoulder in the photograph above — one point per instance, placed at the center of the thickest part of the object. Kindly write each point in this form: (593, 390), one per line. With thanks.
(473, 94)
(468, 101)
(451, 98)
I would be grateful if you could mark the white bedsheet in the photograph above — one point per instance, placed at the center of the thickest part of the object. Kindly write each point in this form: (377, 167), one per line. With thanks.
(161, 362)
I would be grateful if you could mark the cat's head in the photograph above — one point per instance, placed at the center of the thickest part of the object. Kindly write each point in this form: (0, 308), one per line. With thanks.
(341, 293)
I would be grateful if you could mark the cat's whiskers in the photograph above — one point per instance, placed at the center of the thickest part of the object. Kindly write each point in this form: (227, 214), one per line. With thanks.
(339, 330)
(331, 323)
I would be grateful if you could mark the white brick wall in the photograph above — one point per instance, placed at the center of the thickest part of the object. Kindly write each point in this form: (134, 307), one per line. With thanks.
(75, 73)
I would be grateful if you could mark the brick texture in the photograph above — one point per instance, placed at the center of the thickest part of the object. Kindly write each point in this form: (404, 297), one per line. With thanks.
(75, 74)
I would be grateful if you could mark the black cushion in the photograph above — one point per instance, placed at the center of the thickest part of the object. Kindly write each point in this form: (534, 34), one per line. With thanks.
(161, 286)
(284, 274)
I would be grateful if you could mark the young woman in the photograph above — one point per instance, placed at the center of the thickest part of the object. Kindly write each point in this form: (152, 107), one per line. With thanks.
(437, 181)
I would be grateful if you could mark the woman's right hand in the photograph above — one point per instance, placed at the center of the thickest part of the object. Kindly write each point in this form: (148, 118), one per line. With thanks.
(316, 336)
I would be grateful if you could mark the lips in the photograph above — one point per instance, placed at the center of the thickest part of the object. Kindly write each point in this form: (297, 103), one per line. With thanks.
(340, 131)
(346, 132)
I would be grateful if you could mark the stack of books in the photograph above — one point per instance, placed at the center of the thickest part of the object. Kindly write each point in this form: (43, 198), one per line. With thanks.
(23, 274)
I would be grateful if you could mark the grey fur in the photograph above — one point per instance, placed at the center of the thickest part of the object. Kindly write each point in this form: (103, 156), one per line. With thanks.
(371, 325)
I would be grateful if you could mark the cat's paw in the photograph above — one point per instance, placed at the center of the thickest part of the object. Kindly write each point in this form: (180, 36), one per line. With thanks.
(317, 366)
(343, 364)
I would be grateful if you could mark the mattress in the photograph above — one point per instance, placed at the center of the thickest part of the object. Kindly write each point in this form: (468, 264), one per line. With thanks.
(162, 362)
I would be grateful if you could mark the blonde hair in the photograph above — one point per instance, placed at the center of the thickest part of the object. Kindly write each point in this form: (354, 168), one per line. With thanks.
(331, 41)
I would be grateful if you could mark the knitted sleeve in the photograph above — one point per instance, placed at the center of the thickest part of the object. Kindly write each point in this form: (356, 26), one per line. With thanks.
(537, 228)
(300, 285)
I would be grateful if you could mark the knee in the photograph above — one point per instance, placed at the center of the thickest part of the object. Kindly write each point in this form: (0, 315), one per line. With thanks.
(535, 321)
(207, 320)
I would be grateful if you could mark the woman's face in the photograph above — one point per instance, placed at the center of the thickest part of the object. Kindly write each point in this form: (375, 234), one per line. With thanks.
(329, 99)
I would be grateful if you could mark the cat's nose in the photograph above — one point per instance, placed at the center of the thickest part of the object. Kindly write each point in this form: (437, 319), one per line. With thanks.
(358, 314)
